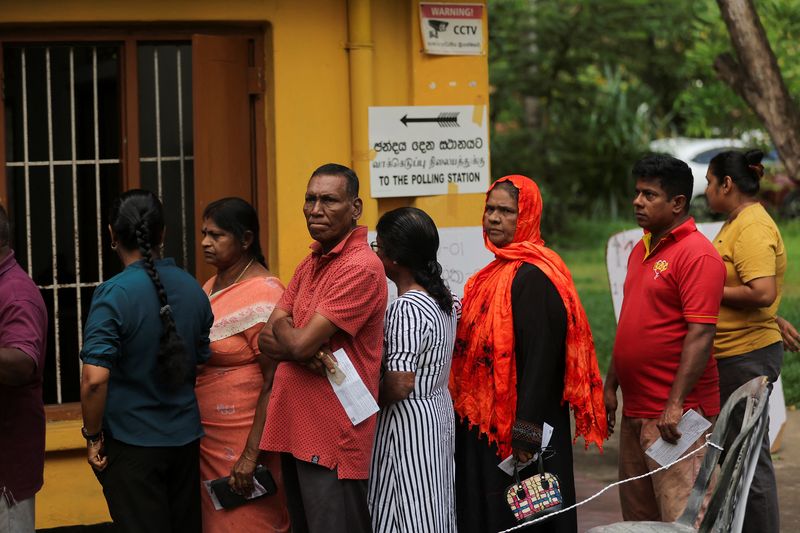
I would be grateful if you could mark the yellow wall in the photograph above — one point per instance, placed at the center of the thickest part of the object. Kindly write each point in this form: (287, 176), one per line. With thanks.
(309, 123)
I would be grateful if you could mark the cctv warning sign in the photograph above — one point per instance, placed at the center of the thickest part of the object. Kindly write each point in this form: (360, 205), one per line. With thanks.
(452, 29)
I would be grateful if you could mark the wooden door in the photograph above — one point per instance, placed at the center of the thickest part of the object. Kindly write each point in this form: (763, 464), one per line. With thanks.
(224, 158)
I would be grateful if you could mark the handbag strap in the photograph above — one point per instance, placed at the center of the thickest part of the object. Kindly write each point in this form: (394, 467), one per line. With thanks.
(516, 473)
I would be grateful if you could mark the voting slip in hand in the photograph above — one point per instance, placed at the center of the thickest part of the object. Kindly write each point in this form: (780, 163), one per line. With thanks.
(335, 374)
(691, 426)
(355, 397)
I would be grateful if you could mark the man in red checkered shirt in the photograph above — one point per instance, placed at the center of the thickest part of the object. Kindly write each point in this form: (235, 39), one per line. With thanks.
(336, 299)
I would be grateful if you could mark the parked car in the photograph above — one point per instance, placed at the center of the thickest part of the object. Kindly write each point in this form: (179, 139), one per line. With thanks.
(778, 190)
(697, 153)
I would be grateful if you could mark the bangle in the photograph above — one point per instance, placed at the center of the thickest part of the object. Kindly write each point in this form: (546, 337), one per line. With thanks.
(248, 458)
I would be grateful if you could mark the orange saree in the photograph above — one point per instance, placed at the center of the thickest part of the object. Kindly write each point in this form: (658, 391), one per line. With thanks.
(227, 391)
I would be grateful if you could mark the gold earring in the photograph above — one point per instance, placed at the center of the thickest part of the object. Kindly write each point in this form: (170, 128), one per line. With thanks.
(114, 245)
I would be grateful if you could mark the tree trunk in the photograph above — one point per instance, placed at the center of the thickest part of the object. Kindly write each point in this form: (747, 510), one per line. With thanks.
(755, 76)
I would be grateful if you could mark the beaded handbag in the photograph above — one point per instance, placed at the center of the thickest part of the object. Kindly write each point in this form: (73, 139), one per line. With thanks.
(535, 496)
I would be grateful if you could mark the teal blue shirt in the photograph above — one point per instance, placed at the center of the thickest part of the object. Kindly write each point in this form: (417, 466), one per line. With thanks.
(122, 334)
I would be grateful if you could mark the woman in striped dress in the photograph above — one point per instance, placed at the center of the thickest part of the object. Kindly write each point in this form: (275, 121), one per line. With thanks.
(411, 483)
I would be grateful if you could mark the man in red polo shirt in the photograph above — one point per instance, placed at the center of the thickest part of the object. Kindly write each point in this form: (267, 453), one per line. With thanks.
(336, 299)
(662, 352)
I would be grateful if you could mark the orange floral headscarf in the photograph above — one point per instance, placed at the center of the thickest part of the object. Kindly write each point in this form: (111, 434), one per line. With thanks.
(483, 380)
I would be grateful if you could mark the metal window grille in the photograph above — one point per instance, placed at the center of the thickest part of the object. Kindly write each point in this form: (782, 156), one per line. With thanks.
(64, 136)
(166, 147)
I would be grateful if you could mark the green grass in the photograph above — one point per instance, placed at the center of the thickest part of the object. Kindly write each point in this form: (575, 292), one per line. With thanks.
(583, 245)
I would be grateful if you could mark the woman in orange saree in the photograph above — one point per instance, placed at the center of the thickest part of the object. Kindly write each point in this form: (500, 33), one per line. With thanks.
(233, 388)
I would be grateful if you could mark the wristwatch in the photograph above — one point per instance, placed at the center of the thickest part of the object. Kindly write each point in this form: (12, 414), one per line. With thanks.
(91, 438)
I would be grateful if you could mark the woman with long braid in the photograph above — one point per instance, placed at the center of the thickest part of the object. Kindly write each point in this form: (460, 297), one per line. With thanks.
(411, 482)
(146, 332)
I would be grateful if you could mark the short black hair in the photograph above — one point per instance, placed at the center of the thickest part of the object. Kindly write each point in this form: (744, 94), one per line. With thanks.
(334, 169)
(5, 227)
(672, 174)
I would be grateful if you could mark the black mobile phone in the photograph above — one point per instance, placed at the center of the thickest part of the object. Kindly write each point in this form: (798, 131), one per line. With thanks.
(229, 499)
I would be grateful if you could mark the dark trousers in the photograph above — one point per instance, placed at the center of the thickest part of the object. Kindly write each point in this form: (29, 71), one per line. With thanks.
(152, 489)
(320, 502)
(762, 514)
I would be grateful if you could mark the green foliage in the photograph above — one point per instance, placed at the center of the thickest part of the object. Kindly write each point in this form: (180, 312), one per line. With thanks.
(790, 307)
(707, 107)
(577, 89)
(580, 87)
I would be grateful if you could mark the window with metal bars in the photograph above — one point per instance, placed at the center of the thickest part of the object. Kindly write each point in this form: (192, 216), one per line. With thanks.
(65, 136)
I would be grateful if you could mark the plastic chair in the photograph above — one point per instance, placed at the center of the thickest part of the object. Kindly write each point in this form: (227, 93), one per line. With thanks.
(725, 511)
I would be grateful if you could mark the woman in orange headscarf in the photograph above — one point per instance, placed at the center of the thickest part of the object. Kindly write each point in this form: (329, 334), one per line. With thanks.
(524, 354)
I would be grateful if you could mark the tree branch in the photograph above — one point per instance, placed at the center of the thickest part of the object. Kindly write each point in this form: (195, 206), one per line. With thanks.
(731, 73)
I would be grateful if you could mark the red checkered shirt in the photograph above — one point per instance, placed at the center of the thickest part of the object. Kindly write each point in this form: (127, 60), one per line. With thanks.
(348, 287)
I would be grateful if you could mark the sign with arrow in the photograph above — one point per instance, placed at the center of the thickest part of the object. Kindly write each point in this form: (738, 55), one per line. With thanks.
(428, 150)
(445, 120)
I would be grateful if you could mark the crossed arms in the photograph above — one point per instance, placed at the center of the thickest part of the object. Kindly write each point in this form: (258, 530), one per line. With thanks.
(280, 340)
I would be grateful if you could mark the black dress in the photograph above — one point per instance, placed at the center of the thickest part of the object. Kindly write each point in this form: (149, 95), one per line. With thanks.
(540, 325)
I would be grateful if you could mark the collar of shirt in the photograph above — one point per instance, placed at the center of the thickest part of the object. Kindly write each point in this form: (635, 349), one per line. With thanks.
(7, 263)
(675, 235)
(167, 261)
(358, 234)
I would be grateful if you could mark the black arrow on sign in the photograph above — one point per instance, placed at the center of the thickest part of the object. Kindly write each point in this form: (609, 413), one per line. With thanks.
(445, 120)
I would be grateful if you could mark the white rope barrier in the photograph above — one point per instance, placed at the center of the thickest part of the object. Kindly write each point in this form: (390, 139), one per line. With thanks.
(616, 484)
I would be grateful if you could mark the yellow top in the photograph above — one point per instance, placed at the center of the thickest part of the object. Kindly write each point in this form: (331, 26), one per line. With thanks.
(751, 247)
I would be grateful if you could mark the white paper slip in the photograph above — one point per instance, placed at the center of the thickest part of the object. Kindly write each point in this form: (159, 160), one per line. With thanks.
(355, 397)
(507, 464)
(547, 434)
(691, 426)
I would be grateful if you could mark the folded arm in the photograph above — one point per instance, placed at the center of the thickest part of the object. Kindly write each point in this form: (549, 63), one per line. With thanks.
(759, 292)
(282, 341)
(396, 386)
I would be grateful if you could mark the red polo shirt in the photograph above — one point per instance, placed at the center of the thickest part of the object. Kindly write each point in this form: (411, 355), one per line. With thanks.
(678, 281)
(348, 287)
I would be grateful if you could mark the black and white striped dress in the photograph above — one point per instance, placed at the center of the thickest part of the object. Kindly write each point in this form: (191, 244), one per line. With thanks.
(411, 482)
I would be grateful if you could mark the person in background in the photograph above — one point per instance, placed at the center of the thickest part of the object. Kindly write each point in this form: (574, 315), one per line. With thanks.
(790, 335)
(523, 356)
(748, 342)
(662, 351)
(234, 386)
(336, 299)
(23, 334)
(146, 332)
(412, 478)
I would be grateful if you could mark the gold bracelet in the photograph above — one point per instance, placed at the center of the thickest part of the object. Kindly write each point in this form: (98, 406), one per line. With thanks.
(248, 458)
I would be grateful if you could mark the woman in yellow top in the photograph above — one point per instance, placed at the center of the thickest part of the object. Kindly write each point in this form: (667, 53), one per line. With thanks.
(748, 341)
